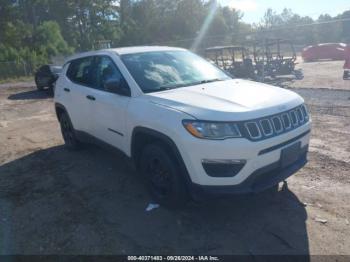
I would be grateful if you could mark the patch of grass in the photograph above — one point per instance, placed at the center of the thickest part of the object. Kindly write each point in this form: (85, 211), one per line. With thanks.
(17, 79)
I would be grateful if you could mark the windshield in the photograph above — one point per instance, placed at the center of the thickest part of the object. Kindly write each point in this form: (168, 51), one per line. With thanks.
(156, 71)
(56, 69)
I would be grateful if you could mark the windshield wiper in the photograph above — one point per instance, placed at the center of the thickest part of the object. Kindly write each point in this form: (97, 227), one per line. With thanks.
(207, 81)
(210, 80)
(162, 88)
(169, 87)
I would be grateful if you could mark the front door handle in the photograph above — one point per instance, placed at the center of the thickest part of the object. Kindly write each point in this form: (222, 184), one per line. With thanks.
(66, 89)
(91, 98)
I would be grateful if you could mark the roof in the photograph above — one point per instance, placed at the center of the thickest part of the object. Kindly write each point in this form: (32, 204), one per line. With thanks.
(125, 50)
(142, 49)
(215, 48)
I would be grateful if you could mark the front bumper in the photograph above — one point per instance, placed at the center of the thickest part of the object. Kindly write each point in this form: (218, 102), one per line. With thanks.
(257, 156)
(262, 179)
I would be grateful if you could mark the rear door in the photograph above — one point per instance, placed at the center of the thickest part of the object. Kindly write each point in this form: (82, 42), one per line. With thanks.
(80, 74)
(109, 109)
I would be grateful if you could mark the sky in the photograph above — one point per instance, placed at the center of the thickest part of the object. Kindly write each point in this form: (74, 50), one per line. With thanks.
(254, 9)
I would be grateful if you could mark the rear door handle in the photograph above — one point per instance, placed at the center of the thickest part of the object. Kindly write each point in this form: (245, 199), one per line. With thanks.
(91, 98)
(66, 89)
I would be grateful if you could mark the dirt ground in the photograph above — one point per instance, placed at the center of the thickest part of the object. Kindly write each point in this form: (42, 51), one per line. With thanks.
(53, 201)
(322, 75)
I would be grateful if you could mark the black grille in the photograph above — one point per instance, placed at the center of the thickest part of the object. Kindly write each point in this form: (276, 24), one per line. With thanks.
(277, 124)
(222, 169)
(300, 115)
(253, 130)
(303, 109)
(286, 121)
(266, 127)
(294, 118)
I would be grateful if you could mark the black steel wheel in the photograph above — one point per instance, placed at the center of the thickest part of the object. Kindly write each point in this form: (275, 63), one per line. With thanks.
(162, 176)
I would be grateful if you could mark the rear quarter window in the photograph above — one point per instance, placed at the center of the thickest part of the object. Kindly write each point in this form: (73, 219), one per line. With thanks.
(80, 71)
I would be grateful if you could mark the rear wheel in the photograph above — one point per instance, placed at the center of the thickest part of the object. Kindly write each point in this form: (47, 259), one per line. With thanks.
(51, 89)
(71, 142)
(162, 176)
(38, 86)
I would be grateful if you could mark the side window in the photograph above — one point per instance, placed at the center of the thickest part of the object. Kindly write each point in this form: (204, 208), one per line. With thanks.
(107, 71)
(80, 71)
(45, 70)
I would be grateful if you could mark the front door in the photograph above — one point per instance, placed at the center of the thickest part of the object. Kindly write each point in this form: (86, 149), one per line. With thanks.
(109, 110)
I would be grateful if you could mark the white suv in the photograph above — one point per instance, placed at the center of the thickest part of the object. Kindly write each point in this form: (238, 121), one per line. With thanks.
(187, 125)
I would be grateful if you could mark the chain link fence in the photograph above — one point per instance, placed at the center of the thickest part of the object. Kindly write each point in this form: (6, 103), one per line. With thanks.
(22, 68)
(13, 69)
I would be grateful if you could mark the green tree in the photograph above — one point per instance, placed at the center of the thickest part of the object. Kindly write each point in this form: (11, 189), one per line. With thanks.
(48, 40)
(345, 34)
(328, 30)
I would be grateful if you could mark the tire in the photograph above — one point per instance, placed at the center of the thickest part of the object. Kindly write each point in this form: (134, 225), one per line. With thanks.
(162, 176)
(273, 189)
(298, 74)
(40, 88)
(68, 133)
(51, 89)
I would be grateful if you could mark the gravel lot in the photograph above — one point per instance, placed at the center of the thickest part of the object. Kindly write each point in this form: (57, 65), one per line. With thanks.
(91, 202)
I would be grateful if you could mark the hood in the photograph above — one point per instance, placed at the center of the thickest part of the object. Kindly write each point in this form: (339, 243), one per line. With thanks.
(230, 100)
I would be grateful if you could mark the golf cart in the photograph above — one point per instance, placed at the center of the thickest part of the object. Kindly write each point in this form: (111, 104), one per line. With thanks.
(233, 59)
(275, 57)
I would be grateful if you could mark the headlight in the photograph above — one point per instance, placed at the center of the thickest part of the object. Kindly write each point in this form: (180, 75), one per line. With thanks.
(211, 130)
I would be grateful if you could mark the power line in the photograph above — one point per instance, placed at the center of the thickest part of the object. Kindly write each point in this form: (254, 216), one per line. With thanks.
(310, 24)
(257, 30)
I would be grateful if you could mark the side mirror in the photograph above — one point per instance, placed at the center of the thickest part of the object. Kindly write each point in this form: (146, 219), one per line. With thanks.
(117, 86)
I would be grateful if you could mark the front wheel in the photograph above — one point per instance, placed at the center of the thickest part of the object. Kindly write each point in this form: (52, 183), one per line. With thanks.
(163, 177)
(68, 133)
